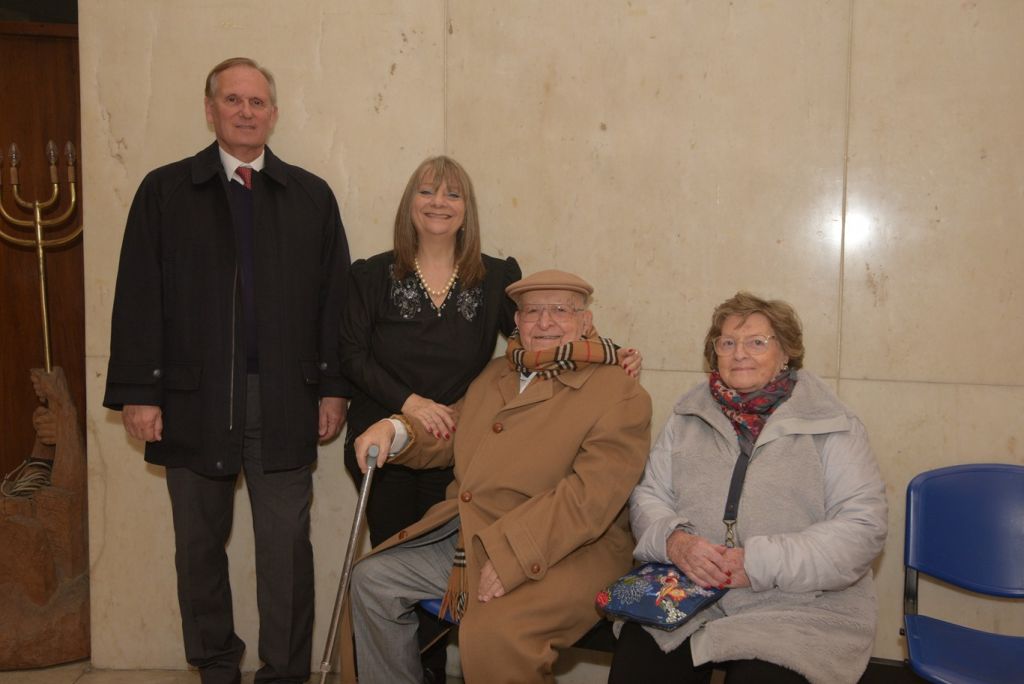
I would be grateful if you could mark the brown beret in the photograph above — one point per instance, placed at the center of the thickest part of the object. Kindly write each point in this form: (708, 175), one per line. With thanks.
(550, 280)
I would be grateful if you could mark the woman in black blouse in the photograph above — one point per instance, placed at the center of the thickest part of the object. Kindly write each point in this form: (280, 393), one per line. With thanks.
(420, 323)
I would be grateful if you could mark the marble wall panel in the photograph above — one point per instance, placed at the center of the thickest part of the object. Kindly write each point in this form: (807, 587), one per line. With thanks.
(665, 388)
(932, 282)
(671, 152)
(131, 546)
(933, 279)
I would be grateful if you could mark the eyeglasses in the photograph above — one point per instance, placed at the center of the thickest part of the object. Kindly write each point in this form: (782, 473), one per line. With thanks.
(755, 346)
(558, 312)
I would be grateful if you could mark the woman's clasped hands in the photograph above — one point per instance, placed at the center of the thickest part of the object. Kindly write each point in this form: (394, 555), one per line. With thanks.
(707, 564)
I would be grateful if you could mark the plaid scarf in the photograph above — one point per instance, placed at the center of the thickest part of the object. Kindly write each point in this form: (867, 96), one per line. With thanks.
(454, 600)
(749, 412)
(548, 363)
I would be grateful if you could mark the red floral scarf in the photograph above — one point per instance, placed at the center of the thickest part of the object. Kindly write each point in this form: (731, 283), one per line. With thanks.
(749, 412)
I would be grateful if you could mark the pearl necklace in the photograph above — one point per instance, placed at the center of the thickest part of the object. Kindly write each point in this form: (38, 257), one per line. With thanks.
(443, 292)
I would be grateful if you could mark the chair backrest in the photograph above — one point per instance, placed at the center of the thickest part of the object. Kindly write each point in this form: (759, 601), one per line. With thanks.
(965, 526)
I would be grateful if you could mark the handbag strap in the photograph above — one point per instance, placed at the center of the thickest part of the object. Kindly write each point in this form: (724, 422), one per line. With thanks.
(732, 502)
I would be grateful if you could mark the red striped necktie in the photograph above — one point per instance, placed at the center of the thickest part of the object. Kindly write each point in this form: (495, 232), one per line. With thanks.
(245, 173)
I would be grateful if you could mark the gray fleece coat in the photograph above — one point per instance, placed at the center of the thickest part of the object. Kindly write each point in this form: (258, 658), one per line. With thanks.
(812, 518)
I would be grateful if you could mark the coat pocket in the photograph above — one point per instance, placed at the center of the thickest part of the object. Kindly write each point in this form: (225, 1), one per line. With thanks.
(310, 371)
(182, 377)
(137, 374)
(183, 406)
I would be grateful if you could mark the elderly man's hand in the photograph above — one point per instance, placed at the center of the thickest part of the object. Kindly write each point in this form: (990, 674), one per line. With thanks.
(437, 419)
(703, 562)
(143, 422)
(490, 583)
(332, 417)
(380, 434)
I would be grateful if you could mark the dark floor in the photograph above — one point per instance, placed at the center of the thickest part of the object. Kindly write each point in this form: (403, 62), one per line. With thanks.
(879, 672)
(889, 672)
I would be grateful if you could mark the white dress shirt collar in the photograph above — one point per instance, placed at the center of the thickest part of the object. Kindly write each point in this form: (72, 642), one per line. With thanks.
(230, 163)
(524, 380)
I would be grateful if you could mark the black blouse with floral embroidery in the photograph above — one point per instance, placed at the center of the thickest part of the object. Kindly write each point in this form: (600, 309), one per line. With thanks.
(394, 342)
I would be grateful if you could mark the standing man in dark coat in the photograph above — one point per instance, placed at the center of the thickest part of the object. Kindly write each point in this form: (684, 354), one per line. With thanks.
(224, 357)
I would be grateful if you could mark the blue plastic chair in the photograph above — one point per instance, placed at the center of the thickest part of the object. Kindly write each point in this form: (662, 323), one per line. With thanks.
(432, 606)
(965, 526)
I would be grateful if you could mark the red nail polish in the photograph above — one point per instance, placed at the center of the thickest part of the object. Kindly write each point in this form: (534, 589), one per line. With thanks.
(721, 586)
(446, 435)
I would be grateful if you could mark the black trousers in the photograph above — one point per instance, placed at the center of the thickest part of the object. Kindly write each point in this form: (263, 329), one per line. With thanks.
(202, 508)
(638, 658)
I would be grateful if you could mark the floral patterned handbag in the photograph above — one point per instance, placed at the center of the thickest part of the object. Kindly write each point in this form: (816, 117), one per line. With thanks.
(656, 594)
(660, 594)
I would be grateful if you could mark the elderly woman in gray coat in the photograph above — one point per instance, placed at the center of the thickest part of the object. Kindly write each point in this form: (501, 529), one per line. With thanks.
(811, 518)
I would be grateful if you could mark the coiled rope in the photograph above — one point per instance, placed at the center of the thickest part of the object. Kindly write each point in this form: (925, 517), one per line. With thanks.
(23, 481)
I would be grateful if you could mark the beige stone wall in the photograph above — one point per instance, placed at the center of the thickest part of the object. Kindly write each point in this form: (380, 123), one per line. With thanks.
(858, 158)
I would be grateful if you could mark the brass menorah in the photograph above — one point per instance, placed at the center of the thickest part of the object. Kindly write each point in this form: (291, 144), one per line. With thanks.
(38, 223)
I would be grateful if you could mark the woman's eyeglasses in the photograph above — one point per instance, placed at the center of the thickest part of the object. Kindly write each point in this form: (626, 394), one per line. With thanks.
(755, 346)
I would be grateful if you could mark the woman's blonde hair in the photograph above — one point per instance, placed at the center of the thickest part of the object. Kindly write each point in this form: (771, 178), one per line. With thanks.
(436, 170)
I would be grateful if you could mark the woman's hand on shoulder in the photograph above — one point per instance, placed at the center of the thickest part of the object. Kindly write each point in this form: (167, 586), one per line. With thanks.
(630, 360)
(437, 419)
(703, 562)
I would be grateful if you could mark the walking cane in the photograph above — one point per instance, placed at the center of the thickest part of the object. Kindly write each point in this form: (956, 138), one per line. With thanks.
(346, 571)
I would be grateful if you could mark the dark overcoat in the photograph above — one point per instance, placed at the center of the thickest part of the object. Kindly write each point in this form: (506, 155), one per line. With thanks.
(178, 330)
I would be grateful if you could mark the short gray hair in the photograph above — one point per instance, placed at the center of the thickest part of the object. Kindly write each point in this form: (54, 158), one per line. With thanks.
(211, 78)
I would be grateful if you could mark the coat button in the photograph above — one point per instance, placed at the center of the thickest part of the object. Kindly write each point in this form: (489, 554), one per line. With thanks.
(403, 534)
(323, 365)
(219, 465)
(497, 427)
(534, 569)
(467, 496)
(157, 372)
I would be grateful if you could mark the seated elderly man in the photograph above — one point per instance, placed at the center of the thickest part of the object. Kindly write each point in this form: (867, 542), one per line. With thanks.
(549, 444)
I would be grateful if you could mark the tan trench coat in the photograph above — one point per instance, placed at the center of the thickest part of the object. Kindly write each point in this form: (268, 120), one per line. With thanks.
(541, 484)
